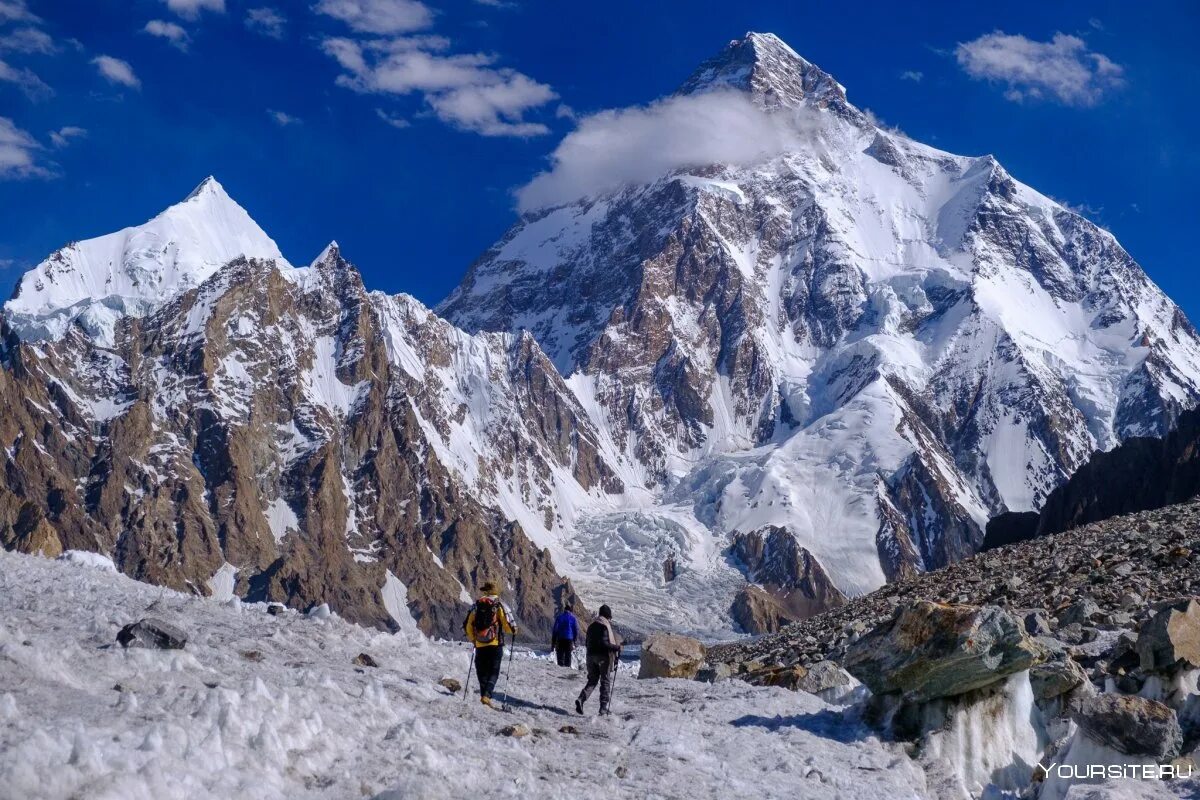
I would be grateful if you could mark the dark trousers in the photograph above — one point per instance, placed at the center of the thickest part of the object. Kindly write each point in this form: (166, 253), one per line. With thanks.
(599, 670)
(487, 666)
(562, 651)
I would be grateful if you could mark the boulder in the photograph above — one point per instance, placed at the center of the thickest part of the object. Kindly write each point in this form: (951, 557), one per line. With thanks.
(1170, 636)
(931, 650)
(1055, 678)
(822, 677)
(1081, 612)
(1035, 621)
(453, 685)
(153, 633)
(1131, 725)
(666, 655)
(712, 673)
(365, 660)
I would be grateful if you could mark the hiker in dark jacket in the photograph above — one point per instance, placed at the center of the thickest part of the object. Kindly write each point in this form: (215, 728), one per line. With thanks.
(563, 636)
(485, 626)
(603, 651)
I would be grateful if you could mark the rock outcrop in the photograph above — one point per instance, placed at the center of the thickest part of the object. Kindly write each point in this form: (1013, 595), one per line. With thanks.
(788, 583)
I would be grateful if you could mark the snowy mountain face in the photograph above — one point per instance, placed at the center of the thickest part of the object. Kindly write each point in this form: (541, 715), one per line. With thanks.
(868, 342)
(722, 398)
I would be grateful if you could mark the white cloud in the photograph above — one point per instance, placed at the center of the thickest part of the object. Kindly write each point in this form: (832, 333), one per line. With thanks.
(190, 9)
(18, 153)
(63, 136)
(173, 33)
(117, 71)
(395, 122)
(25, 80)
(16, 11)
(266, 21)
(282, 118)
(28, 40)
(912, 75)
(378, 16)
(465, 90)
(639, 145)
(1062, 69)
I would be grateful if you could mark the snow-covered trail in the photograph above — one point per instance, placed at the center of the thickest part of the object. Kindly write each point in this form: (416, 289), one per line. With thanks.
(272, 706)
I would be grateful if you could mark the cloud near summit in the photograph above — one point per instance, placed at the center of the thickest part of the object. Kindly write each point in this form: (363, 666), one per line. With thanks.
(637, 145)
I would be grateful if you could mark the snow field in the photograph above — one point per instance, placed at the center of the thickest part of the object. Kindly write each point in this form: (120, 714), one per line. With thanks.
(265, 707)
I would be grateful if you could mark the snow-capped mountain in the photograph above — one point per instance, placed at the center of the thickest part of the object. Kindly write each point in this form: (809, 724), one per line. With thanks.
(871, 343)
(724, 397)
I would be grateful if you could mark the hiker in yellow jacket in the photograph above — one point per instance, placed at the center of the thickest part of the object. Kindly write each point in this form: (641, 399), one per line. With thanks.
(486, 625)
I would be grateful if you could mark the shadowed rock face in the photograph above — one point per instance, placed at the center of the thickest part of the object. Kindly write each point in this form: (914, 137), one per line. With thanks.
(1141, 473)
(261, 421)
(791, 583)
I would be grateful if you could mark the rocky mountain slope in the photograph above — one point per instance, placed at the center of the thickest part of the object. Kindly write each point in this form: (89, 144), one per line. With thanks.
(277, 432)
(1112, 574)
(727, 398)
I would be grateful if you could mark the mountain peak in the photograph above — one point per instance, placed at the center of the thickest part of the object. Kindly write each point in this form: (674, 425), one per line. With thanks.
(208, 186)
(776, 75)
(137, 269)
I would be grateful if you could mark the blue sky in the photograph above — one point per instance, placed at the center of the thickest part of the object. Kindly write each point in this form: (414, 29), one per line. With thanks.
(401, 128)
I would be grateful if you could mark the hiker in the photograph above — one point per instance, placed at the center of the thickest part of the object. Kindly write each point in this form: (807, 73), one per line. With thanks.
(603, 652)
(564, 634)
(485, 626)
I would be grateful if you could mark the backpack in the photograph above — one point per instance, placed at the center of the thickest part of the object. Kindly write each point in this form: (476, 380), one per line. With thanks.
(486, 622)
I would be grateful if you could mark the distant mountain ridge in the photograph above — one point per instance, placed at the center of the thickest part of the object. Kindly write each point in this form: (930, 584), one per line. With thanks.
(851, 355)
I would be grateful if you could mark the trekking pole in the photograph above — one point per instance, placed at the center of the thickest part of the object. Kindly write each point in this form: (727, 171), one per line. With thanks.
(467, 685)
(507, 672)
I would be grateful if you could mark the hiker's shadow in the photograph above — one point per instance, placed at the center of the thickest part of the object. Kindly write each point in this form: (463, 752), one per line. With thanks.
(827, 723)
(517, 702)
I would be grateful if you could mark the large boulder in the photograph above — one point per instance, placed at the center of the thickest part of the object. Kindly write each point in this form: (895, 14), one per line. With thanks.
(931, 650)
(1170, 636)
(1055, 678)
(1131, 725)
(666, 655)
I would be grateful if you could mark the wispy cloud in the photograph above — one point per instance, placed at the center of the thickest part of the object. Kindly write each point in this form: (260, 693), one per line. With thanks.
(394, 121)
(117, 71)
(190, 9)
(266, 21)
(16, 11)
(28, 40)
(637, 145)
(282, 118)
(19, 153)
(912, 75)
(466, 90)
(63, 136)
(379, 16)
(26, 80)
(1062, 69)
(173, 33)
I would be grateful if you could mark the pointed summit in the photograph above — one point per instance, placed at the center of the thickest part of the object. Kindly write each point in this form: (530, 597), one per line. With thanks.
(135, 270)
(207, 186)
(778, 77)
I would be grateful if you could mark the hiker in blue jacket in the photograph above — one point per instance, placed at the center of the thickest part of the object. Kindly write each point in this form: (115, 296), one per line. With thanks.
(563, 635)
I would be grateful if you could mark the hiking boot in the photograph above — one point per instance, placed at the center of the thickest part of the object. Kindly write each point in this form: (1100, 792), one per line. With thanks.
(487, 701)
(578, 706)
(604, 712)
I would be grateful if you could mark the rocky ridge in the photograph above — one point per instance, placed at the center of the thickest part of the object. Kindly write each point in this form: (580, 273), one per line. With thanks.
(1080, 586)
